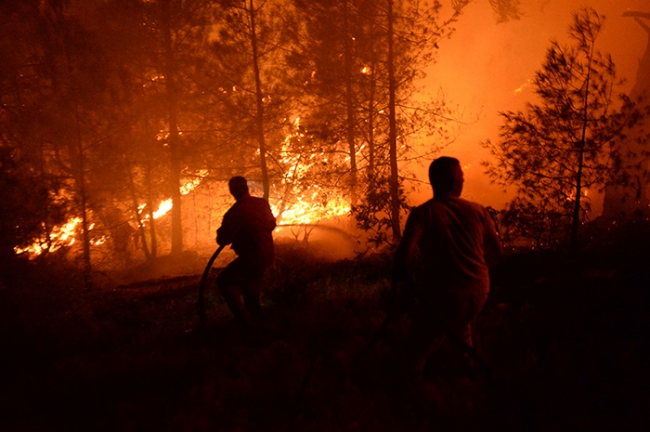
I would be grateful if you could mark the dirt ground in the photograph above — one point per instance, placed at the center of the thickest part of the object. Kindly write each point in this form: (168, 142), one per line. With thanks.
(566, 339)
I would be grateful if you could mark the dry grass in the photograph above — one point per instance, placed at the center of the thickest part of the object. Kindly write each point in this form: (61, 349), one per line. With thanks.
(568, 345)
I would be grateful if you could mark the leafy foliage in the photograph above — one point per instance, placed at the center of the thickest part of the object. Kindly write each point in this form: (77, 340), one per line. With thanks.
(344, 49)
(113, 106)
(505, 10)
(523, 225)
(574, 139)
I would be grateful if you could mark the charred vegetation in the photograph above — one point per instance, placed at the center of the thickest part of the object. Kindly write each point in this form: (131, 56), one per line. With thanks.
(564, 336)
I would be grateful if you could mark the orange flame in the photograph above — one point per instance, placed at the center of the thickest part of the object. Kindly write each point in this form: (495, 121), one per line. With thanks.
(165, 206)
(305, 205)
(308, 205)
(61, 236)
(64, 235)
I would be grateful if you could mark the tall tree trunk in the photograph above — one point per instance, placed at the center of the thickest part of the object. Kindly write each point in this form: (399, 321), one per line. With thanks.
(392, 134)
(581, 156)
(136, 212)
(148, 183)
(371, 111)
(81, 185)
(46, 221)
(173, 142)
(349, 100)
(55, 18)
(149, 207)
(259, 117)
(371, 124)
(576, 209)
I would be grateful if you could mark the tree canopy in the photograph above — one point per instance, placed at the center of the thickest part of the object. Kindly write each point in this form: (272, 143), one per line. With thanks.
(571, 140)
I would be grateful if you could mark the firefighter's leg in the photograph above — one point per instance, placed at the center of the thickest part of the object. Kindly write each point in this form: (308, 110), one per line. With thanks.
(251, 288)
(227, 282)
(251, 294)
(424, 336)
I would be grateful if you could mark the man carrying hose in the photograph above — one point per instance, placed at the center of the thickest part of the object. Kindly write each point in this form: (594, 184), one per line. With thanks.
(457, 242)
(248, 227)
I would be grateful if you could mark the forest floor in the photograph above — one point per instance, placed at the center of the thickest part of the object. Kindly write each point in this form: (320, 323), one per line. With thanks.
(567, 341)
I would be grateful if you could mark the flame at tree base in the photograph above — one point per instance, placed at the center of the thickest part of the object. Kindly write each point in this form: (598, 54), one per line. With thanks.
(61, 236)
(306, 212)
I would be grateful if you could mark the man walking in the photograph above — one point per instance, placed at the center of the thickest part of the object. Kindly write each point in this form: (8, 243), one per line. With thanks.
(248, 227)
(457, 243)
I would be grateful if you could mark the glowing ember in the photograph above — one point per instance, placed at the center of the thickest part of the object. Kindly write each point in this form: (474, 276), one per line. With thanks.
(519, 90)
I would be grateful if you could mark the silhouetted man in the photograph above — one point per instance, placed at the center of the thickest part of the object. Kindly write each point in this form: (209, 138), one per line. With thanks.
(248, 226)
(457, 241)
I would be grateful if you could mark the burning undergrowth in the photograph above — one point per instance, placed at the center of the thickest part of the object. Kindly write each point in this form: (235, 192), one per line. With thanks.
(566, 344)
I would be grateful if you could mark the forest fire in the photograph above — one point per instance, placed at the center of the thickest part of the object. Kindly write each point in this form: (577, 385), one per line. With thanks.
(362, 120)
(128, 128)
(65, 235)
(295, 199)
(61, 236)
(165, 206)
(306, 207)
(301, 200)
(305, 210)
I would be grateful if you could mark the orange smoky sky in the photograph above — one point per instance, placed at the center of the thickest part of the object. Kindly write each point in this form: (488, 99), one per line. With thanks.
(487, 67)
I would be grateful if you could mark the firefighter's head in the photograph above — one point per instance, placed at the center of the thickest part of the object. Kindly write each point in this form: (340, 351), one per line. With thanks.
(238, 187)
(446, 177)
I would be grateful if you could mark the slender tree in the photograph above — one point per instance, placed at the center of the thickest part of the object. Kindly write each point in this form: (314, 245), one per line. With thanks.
(259, 96)
(160, 46)
(395, 204)
(349, 97)
(574, 138)
(30, 204)
(170, 69)
(362, 61)
(248, 84)
(330, 49)
(78, 94)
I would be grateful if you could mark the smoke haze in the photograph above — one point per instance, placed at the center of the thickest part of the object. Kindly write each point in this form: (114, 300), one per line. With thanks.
(487, 67)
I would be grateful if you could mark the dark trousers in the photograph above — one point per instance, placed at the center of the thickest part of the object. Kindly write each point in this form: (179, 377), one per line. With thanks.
(242, 278)
(456, 308)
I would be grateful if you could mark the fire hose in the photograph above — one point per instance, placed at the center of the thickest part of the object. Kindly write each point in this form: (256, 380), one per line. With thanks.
(200, 304)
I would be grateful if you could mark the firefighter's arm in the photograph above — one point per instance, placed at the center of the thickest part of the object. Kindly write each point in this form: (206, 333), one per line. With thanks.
(412, 234)
(492, 245)
(229, 228)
